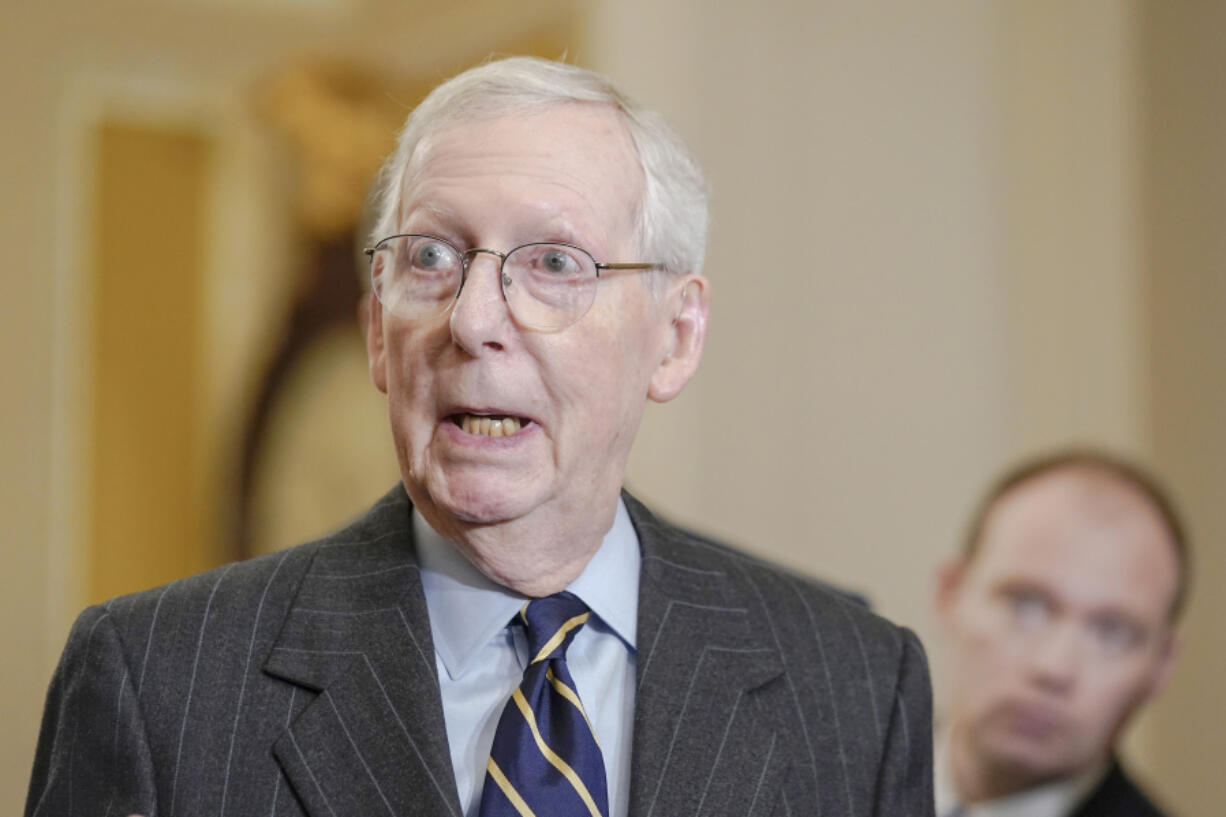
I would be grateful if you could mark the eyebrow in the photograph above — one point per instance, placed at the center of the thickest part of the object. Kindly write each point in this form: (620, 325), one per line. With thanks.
(1115, 613)
(1013, 585)
(561, 230)
(439, 212)
(437, 217)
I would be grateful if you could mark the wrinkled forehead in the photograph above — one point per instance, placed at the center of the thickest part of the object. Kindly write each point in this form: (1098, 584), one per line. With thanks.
(583, 152)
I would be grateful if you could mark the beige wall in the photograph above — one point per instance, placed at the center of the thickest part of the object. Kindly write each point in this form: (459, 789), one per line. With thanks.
(25, 407)
(855, 389)
(944, 233)
(1184, 180)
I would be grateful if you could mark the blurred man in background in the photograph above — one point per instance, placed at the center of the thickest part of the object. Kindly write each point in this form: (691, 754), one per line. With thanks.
(1060, 617)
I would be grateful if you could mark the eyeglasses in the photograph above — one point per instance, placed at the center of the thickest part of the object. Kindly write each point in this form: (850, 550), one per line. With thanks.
(546, 286)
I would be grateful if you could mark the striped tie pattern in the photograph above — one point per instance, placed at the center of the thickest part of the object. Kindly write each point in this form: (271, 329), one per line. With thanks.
(545, 761)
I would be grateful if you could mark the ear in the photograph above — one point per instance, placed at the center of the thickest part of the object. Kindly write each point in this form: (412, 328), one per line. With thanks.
(686, 334)
(370, 317)
(1167, 658)
(949, 583)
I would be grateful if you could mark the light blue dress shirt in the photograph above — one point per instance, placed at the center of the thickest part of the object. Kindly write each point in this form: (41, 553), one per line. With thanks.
(480, 660)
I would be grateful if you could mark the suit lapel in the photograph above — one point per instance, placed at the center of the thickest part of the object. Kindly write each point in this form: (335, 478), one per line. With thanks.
(1116, 796)
(702, 744)
(373, 741)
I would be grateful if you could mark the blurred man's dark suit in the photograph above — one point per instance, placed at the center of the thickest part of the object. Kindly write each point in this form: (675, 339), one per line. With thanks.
(1117, 796)
(305, 682)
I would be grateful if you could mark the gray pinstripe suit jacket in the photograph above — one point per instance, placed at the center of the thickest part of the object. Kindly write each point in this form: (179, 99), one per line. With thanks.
(304, 683)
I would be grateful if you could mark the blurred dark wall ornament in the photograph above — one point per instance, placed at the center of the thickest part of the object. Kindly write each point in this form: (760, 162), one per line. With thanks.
(339, 122)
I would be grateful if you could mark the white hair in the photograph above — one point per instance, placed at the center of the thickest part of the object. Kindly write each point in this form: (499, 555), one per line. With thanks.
(671, 219)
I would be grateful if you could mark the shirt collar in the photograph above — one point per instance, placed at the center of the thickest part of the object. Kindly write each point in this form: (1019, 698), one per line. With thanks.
(467, 609)
(1055, 799)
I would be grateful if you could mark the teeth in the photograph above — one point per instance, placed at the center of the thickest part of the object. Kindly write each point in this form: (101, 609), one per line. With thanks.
(490, 426)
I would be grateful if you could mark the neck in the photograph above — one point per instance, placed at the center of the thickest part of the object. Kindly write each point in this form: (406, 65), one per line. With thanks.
(533, 556)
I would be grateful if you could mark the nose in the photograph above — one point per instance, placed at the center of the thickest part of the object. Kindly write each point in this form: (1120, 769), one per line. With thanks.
(1056, 658)
(480, 319)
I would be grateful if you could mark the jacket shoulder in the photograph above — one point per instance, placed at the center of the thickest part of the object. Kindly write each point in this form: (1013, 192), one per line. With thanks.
(237, 589)
(800, 609)
(844, 682)
(239, 593)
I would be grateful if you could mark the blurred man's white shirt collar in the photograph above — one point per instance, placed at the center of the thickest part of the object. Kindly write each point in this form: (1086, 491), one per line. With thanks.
(480, 660)
(1056, 799)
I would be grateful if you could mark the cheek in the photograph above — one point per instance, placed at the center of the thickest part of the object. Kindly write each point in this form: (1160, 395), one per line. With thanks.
(592, 405)
(989, 653)
(990, 659)
(410, 379)
(600, 375)
(1110, 696)
(1100, 718)
(975, 626)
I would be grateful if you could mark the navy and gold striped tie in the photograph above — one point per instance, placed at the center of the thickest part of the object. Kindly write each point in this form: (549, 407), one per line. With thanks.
(545, 761)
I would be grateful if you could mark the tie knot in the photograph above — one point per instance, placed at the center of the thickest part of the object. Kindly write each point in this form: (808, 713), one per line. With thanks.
(552, 623)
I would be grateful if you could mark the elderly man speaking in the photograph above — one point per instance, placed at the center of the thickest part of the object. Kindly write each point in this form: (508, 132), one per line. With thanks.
(506, 632)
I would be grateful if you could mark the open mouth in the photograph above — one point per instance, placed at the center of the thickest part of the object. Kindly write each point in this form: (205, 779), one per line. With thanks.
(489, 425)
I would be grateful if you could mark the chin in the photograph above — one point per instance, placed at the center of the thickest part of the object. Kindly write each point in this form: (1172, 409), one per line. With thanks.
(1031, 760)
(486, 502)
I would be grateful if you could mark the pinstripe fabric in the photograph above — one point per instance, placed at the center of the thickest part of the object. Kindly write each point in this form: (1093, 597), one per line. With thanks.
(303, 683)
(765, 676)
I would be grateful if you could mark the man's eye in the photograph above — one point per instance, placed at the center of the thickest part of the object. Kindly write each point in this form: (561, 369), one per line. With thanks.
(1115, 634)
(558, 262)
(1028, 609)
(431, 255)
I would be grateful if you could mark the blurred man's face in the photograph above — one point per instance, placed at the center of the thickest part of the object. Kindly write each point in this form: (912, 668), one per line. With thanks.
(575, 396)
(1058, 625)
